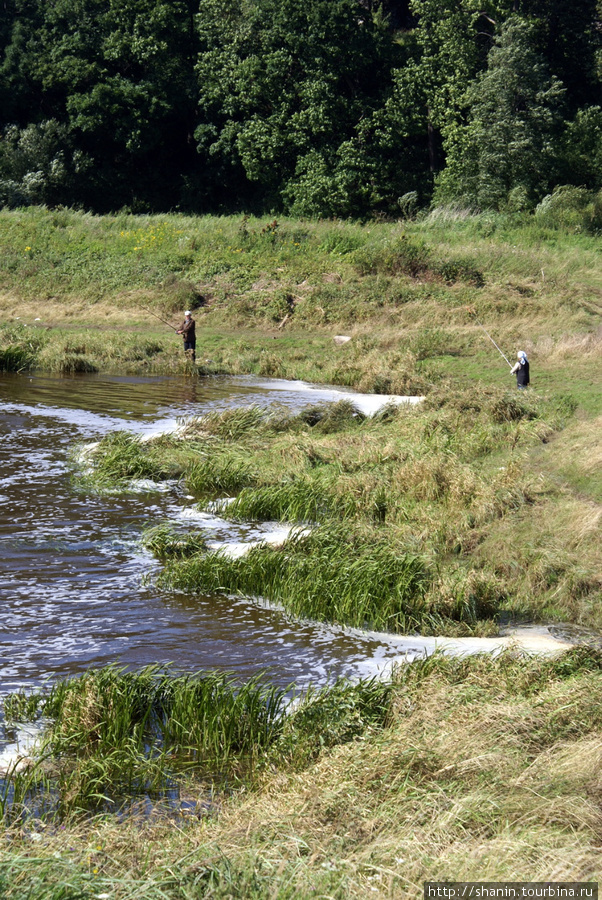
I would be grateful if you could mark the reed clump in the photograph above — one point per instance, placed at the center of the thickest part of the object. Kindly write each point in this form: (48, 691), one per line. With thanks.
(112, 735)
(325, 575)
(167, 543)
(121, 457)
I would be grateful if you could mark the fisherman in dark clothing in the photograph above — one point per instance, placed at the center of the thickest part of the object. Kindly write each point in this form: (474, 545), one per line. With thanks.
(521, 370)
(187, 330)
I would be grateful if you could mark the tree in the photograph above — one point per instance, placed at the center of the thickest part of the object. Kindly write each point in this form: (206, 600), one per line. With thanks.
(508, 152)
(119, 77)
(570, 38)
(284, 88)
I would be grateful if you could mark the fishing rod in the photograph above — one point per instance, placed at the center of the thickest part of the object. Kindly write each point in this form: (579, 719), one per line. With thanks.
(494, 343)
(169, 325)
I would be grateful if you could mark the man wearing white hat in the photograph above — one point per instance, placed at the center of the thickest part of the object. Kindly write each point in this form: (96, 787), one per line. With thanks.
(187, 330)
(521, 370)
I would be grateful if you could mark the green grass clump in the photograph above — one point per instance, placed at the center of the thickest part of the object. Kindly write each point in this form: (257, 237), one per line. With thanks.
(114, 735)
(325, 575)
(229, 424)
(218, 473)
(19, 347)
(295, 501)
(122, 456)
(167, 543)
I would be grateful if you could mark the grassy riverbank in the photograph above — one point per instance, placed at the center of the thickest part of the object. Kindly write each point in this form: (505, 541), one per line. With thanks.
(269, 296)
(482, 770)
(480, 506)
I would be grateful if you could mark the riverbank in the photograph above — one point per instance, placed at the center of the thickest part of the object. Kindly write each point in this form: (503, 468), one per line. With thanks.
(270, 296)
(478, 507)
(484, 770)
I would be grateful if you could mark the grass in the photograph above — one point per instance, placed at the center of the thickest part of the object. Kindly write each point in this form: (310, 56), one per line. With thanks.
(325, 576)
(113, 736)
(424, 518)
(268, 301)
(471, 769)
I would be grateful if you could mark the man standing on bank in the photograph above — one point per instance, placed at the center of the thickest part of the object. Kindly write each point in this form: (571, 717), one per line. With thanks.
(521, 370)
(187, 331)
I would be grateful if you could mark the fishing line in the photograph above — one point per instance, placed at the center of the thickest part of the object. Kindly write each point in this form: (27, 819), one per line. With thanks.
(494, 343)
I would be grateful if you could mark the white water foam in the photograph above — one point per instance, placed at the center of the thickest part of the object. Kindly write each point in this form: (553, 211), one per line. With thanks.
(369, 404)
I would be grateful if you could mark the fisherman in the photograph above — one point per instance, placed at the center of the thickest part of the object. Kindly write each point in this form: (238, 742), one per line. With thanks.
(187, 330)
(521, 370)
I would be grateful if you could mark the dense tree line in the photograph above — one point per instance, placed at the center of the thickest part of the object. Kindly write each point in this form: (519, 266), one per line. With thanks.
(315, 107)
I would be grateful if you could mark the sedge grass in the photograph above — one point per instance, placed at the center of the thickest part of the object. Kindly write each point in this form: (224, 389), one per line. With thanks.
(297, 501)
(322, 576)
(112, 735)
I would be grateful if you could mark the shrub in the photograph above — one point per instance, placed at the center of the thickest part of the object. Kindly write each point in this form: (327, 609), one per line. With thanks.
(398, 256)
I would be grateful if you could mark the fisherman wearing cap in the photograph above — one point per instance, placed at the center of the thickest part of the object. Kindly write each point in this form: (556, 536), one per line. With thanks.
(187, 331)
(521, 370)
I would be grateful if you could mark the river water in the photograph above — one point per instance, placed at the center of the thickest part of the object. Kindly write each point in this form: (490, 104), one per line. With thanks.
(73, 589)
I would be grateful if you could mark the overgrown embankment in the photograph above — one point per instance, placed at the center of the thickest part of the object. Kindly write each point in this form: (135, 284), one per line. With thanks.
(425, 518)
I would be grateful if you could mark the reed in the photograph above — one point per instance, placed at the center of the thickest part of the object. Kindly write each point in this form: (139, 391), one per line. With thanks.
(230, 424)
(120, 457)
(296, 501)
(324, 575)
(114, 735)
(167, 543)
(218, 473)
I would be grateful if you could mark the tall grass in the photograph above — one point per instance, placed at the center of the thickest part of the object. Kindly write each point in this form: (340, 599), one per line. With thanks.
(113, 735)
(295, 501)
(121, 456)
(325, 576)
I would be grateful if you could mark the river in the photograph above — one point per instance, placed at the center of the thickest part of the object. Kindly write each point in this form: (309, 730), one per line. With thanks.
(74, 579)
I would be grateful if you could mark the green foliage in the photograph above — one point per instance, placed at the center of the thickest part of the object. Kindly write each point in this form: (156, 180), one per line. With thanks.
(114, 735)
(117, 81)
(571, 209)
(507, 155)
(38, 165)
(326, 575)
(285, 86)
(582, 149)
(318, 107)
(19, 347)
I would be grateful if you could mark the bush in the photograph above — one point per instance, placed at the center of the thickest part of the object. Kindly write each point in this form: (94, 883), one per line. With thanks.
(571, 208)
(401, 256)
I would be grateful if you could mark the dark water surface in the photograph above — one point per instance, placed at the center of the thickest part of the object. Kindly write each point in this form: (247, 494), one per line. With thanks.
(73, 592)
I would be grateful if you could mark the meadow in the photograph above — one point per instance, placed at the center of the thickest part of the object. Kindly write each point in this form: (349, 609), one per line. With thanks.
(478, 508)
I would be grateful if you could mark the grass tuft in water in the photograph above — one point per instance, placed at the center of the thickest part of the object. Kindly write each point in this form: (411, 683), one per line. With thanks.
(167, 543)
(325, 576)
(117, 734)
